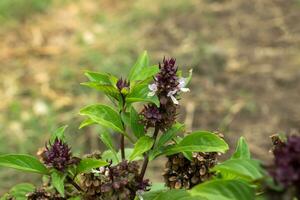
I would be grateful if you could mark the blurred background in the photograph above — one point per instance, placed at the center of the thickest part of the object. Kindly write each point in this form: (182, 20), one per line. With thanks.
(245, 56)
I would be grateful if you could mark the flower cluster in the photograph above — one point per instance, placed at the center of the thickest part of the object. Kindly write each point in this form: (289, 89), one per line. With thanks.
(58, 155)
(166, 83)
(119, 182)
(42, 194)
(183, 173)
(166, 86)
(151, 116)
(287, 163)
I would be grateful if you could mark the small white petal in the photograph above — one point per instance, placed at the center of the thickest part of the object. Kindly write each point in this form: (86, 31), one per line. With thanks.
(152, 87)
(139, 193)
(171, 93)
(94, 171)
(182, 82)
(151, 94)
(174, 100)
(184, 89)
(101, 169)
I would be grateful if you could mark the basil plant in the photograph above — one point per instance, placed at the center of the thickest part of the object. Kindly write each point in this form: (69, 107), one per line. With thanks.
(142, 118)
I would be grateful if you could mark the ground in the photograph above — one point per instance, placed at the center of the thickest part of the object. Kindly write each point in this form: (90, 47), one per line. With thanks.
(245, 56)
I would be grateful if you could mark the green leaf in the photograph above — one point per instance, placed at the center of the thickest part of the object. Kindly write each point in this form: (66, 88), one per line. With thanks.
(108, 156)
(88, 164)
(158, 187)
(263, 197)
(241, 168)
(188, 155)
(58, 133)
(136, 70)
(200, 141)
(125, 116)
(57, 180)
(139, 93)
(23, 162)
(107, 140)
(189, 78)
(137, 128)
(141, 146)
(224, 190)
(19, 191)
(102, 78)
(242, 150)
(147, 72)
(6, 196)
(75, 198)
(169, 134)
(86, 122)
(164, 138)
(170, 195)
(107, 89)
(104, 115)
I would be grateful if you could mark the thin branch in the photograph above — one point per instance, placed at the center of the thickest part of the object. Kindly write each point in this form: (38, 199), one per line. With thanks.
(71, 181)
(146, 157)
(122, 142)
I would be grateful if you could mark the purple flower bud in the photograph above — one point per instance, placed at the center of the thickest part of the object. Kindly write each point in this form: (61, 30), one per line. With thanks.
(58, 155)
(167, 80)
(151, 116)
(287, 163)
(121, 84)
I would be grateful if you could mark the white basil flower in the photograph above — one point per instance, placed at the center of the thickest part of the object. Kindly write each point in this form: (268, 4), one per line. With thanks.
(181, 87)
(182, 84)
(94, 171)
(101, 171)
(153, 89)
(171, 95)
(140, 193)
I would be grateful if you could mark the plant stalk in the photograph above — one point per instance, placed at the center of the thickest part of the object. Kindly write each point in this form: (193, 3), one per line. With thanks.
(71, 181)
(146, 157)
(122, 141)
(122, 147)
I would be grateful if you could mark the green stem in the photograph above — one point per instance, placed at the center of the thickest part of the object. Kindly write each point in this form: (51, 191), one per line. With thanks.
(122, 147)
(146, 157)
(122, 141)
(71, 181)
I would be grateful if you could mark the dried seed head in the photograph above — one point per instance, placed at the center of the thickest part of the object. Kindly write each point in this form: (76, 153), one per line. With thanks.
(277, 141)
(120, 183)
(42, 194)
(183, 173)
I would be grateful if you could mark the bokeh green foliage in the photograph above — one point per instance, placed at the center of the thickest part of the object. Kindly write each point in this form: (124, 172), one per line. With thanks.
(21, 9)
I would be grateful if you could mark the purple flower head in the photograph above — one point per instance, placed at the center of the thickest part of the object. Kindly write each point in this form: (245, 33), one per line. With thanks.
(287, 163)
(121, 84)
(167, 84)
(58, 155)
(167, 79)
(151, 116)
